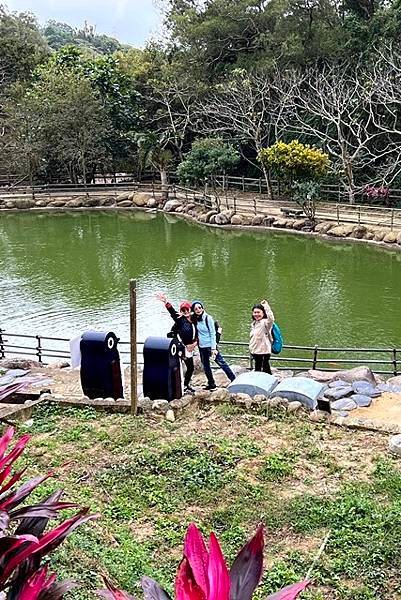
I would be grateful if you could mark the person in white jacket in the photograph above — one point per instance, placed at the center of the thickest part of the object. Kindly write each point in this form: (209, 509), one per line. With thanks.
(260, 343)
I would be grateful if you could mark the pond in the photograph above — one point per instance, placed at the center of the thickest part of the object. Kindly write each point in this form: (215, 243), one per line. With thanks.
(65, 272)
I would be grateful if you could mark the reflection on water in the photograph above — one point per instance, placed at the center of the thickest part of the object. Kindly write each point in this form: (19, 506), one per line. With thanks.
(62, 273)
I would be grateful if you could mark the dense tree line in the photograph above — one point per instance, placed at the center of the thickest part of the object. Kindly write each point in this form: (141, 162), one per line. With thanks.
(244, 73)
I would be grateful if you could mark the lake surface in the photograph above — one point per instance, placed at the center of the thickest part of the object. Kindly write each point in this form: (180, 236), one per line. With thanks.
(66, 272)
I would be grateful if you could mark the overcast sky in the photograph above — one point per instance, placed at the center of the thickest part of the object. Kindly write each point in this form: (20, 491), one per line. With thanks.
(130, 21)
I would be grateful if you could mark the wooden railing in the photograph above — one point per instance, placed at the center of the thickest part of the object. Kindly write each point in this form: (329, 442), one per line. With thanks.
(385, 361)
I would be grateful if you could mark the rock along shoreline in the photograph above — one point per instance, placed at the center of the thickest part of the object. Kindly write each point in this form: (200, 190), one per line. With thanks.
(379, 236)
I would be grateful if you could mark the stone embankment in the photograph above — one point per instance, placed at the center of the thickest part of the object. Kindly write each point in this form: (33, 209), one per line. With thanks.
(209, 216)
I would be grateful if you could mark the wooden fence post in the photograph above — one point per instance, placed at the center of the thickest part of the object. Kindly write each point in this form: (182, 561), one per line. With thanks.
(243, 183)
(134, 366)
(338, 214)
(392, 219)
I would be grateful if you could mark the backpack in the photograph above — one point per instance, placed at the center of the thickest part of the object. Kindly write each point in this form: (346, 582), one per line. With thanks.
(217, 328)
(278, 341)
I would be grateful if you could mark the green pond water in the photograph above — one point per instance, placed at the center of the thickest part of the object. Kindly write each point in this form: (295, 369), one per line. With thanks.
(65, 272)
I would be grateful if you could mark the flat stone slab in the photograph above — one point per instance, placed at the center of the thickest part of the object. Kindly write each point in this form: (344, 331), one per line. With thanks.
(343, 404)
(365, 388)
(338, 392)
(301, 389)
(361, 400)
(253, 383)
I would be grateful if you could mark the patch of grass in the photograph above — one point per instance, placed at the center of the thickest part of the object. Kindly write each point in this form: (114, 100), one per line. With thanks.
(277, 466)
(149, 479)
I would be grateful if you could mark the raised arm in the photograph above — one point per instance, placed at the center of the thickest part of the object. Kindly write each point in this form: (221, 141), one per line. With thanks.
(268, 311)
(161, 296)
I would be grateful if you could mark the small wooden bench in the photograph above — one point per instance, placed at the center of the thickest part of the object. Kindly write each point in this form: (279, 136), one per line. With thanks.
(291, 212)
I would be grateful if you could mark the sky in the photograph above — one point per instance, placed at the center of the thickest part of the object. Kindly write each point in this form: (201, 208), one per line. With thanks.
(130, 21)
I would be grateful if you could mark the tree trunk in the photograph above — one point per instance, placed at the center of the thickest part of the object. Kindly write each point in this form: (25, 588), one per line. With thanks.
(350, 183)
(164, 183)
(349, 175)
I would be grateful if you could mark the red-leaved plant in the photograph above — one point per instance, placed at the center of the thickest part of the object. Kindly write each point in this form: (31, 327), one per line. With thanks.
(22, 547)
(203, 573)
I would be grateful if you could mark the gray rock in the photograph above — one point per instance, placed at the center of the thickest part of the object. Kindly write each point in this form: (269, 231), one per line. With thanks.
(222, 219)
(318, 416)
(259, 398)
(342, 413)
(384, 387)
(356, 374)
(338, 392)
(343, 404)
(242, 400)
(220, 395)
(394, 444)
(394, 380)
(338, 383)
(170, 416)
(361, 400)
(24, 203)
(171, 205)
(365, 388)
(294, 407)
(160, 406)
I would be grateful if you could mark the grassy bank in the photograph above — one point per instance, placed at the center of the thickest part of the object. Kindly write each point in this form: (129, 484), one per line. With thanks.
(226, 471)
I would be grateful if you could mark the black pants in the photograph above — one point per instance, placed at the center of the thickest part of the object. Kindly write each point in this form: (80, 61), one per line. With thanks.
(205, 356)
(189, 363)
(262, 362)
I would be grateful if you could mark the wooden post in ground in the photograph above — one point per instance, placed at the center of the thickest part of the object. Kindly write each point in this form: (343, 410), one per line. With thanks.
(134, 365)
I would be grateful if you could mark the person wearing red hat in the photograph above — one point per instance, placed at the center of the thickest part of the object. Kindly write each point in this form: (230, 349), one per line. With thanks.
(185, 330)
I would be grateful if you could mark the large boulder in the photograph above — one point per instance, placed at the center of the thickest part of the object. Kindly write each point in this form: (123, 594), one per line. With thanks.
(172, 205)
(125, 204)
(221, 219)
(268, 221)
(379, 235)
(122, 196)
(341, 231)
(40, 203)
(24, 203)
(141, 198)
(299, 224)
(152, 203)
(57, 203)
(324, 227)
(359, 231)
(90, 202)
(347, 375)
(238, 219)
(75, 203)
(396, 380)
(390, 237)
(282, 223)
(107, 201)
(257, 220)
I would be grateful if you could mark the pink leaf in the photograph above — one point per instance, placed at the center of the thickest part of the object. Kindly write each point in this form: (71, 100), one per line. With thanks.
(36, 584)
(247, 567)
(5, 440)
(218, 576)
(186, 587)
(196, 553)
(290, 592)
(113, 592)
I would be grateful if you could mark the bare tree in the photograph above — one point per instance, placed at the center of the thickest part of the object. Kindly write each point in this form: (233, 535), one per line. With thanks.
(349, 112)
(247, 108)
(174, 112)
